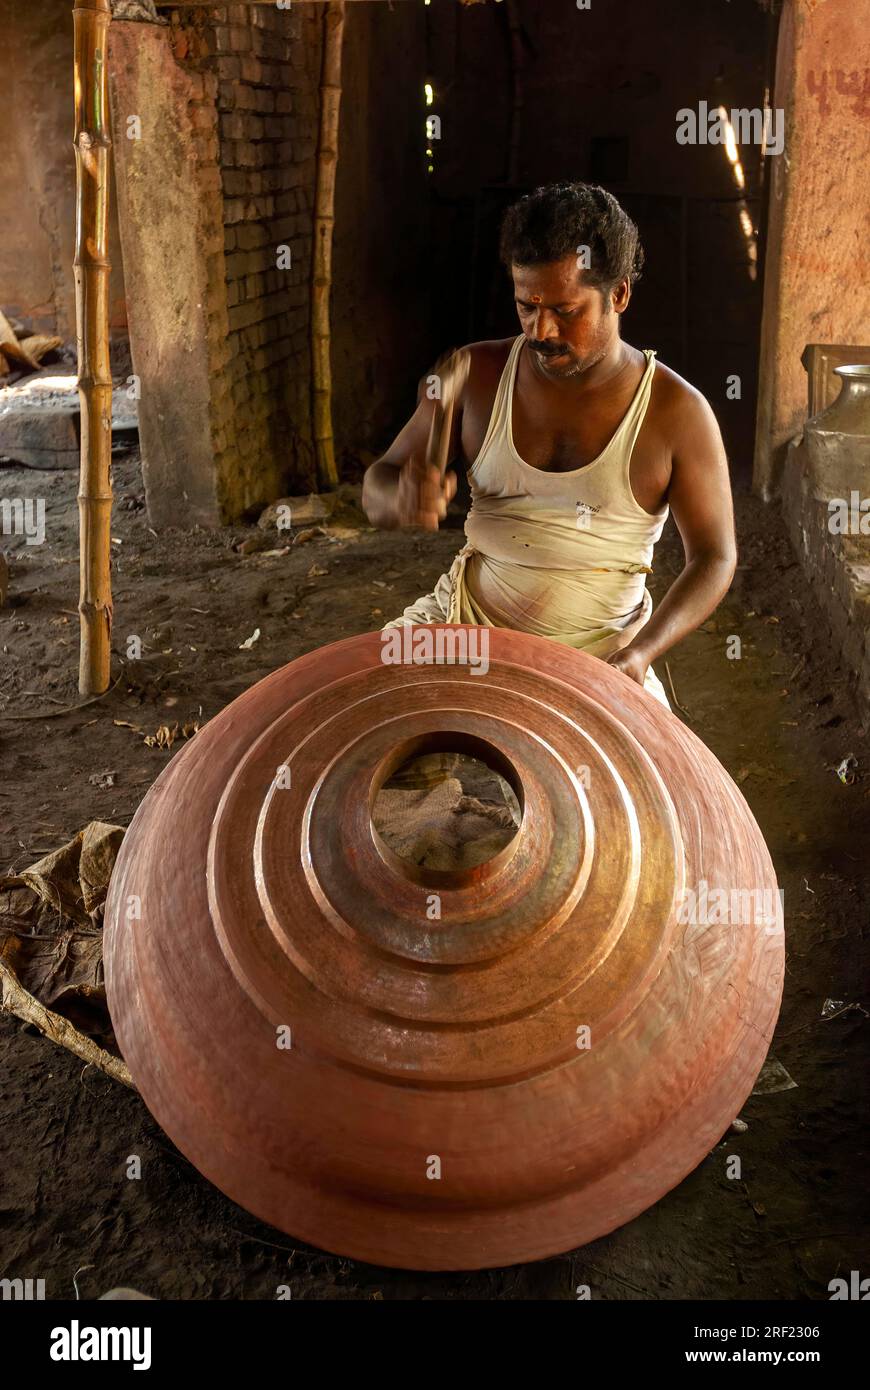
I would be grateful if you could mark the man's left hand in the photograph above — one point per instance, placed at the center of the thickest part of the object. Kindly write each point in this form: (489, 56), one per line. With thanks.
(632, 662)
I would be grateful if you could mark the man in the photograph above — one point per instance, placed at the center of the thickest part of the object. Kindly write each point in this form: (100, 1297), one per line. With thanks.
(577, 445)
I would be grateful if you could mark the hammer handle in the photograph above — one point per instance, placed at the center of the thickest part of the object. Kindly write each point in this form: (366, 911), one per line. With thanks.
(453, 372)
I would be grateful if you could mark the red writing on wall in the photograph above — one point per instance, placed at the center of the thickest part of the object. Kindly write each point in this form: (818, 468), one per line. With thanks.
(846, 84)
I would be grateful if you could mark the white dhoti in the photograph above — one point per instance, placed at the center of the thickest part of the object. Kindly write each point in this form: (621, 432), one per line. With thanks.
(450, 602)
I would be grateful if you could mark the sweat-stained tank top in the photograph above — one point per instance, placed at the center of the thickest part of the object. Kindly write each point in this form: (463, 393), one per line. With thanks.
(564, 555)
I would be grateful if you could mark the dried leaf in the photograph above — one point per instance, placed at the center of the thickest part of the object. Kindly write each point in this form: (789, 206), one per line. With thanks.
(39, 344)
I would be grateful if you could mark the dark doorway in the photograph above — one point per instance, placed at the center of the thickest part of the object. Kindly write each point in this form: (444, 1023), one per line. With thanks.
(561, 93)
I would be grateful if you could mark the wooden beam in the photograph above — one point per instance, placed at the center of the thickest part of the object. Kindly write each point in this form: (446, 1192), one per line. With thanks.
(324, 224)
(91, 267)
(215, 4)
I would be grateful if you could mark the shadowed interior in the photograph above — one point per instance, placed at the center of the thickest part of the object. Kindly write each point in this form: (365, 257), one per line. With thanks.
(445, 803)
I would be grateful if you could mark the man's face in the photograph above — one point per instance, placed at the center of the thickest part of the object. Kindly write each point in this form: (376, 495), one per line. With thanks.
(568, 325)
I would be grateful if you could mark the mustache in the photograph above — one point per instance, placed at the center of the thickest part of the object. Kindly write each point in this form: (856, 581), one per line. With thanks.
(548, 349)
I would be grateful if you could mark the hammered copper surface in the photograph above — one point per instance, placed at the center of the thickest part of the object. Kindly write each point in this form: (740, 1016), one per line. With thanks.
(416, 1037)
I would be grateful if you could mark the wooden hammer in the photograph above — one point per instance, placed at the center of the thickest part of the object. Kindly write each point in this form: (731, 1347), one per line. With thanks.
(451, 371)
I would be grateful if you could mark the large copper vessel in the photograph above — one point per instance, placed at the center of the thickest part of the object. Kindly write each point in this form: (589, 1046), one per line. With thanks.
(506, 1080)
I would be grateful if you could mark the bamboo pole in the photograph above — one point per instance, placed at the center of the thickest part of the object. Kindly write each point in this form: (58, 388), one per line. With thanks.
(324, 223)
(91, 267)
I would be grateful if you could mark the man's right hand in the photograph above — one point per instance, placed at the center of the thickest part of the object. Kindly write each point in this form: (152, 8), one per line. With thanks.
(401, 488)
(422, 495)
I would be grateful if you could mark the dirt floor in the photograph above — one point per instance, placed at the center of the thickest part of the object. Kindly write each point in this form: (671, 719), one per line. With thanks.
(780, 719)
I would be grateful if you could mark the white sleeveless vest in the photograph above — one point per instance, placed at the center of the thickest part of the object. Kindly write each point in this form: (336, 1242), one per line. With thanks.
(564, 555)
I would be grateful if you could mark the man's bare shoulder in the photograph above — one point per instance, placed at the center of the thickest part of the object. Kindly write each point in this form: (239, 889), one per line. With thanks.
(487, 361)
(491, 349)
(676, 403)
(487, 364)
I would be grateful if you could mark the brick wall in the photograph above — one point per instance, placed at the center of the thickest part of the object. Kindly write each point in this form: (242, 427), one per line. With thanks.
(255, 123)
(222, 176)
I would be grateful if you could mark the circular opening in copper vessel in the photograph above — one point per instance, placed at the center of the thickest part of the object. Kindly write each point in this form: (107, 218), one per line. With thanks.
(446, 809)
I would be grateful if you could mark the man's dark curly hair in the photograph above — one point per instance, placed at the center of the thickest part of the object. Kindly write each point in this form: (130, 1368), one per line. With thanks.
(553, 221)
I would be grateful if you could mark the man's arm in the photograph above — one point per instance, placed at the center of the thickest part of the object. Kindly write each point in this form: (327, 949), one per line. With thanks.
(700, 499)
(399, 489)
